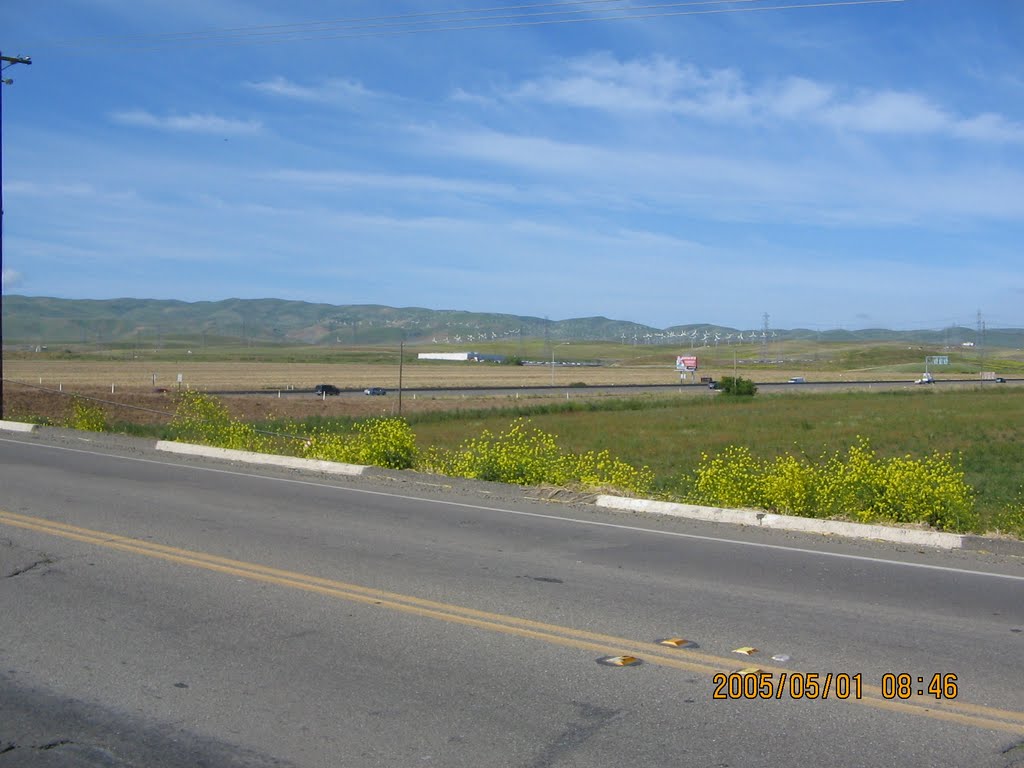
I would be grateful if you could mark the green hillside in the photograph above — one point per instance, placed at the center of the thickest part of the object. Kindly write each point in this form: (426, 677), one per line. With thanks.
(36, 321)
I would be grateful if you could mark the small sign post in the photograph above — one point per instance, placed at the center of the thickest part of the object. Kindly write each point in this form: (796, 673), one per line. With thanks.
(935, 360)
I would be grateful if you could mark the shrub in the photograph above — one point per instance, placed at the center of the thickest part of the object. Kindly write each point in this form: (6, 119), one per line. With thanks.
(87, 416)
(861, 485)
(528, 456)
(199, 418)
(519, 455)
(598, 469)
(790, 486)
(930, 490)
(730, 479)
(383, 442)
(738, 386)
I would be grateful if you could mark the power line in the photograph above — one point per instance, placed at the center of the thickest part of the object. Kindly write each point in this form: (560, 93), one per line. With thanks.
(418, 24)
(426, 16)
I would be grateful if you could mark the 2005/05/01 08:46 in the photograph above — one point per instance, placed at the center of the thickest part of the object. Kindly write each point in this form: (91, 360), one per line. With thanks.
(756, 684)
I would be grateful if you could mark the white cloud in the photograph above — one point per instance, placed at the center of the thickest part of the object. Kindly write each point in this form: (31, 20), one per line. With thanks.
(330, 91)
(547, 156)
(9, 279)
(733, 185)
(990, 127)
(346, 181)
(60, 189)
(461, 95)
(655, 85)
(886, 112)
(191, 123)
(661, 85)
(68, 189)
(798, 96)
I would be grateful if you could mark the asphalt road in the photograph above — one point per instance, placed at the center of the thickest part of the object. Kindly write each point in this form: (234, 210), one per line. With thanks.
(631, 389)
(162, 611)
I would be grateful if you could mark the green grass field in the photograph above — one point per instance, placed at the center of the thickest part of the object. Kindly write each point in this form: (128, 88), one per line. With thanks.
(982, 427)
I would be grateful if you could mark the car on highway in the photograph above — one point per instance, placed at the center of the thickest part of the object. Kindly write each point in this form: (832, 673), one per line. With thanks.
(797, 380)
(326, 389)
(926, 379)
(375, 391)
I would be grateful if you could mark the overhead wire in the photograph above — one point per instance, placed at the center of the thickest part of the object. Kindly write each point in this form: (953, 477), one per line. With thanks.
(419, 23)
(422, 16)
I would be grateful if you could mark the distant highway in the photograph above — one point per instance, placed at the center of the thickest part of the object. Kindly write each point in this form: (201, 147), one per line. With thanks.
(625, 389)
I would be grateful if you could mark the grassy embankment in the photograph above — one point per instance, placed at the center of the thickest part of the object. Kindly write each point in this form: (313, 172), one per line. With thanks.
(980, 426)
(670, 434)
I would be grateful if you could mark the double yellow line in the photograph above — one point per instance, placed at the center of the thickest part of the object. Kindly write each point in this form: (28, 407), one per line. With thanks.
(988, 718)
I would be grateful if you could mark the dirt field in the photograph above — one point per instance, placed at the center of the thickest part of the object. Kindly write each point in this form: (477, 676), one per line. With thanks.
(41, 388)
(44, 389)
(22, 403)
(305, 376)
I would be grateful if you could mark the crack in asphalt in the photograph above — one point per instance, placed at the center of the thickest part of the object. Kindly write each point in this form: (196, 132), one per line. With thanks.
(1015, 753)
(55, 744)
(32, 566)
(10, 746)
(576, 734)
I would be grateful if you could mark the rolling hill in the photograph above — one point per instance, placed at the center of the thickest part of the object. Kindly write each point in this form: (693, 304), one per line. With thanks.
(38, 320)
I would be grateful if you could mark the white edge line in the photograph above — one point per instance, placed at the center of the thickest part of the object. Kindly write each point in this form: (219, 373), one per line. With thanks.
(556, 518)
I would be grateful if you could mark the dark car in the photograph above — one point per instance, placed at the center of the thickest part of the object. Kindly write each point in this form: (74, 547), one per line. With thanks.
(326, 389)
(375, 391)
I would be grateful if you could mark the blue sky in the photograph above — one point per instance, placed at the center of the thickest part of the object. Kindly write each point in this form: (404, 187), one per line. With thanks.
(840, 166)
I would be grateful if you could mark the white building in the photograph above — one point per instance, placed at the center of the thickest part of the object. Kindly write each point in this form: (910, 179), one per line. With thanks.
(476, 357)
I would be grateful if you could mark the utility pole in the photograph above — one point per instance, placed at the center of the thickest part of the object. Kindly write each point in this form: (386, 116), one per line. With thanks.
(401, 361)
(6, 62)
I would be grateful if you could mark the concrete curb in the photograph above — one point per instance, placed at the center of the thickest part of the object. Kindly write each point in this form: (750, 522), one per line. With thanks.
(248, 457)
(911, 536)
(16, 426)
